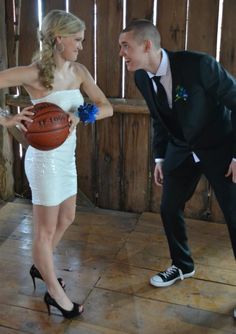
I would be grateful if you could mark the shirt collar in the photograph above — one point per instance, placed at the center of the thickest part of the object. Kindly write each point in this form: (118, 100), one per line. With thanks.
(163, 67)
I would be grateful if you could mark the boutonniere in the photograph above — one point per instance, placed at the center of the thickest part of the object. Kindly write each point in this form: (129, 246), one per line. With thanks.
(180, 93)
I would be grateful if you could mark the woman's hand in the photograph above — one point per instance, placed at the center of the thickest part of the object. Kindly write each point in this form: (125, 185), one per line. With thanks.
(18, 119)
(73, 121)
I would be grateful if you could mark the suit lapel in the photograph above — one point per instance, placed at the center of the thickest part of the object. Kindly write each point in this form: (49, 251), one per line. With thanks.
(175, 73)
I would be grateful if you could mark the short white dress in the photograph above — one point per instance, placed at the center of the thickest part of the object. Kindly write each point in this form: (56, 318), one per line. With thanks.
(52, 174)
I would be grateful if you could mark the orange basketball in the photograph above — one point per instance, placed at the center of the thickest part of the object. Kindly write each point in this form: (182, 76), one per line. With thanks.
(50, 126)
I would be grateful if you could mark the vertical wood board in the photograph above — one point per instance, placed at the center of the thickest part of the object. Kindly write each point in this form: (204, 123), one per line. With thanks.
(108, 166)
(135, 164)
(85, 159)
(171, 23)
(28, 31)
(48, 5)
(85, 13)
(228, 40)
(108, 59)
(202, 26)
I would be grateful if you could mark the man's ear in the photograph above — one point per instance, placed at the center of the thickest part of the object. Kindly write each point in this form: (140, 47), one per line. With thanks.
(147, 45)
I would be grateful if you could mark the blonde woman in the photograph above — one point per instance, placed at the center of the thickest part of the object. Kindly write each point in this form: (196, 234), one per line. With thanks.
(55, 77)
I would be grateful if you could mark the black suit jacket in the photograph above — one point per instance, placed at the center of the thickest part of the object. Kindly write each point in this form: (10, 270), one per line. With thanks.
(205, 118)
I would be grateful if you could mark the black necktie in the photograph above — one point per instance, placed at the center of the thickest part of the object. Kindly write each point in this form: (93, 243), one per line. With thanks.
(161, 93)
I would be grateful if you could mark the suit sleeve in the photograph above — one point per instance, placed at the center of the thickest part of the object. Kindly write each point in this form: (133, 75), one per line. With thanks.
(159, 140)
(221, 85)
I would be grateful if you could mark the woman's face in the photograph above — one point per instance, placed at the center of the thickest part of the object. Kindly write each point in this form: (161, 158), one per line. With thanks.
(71, 45)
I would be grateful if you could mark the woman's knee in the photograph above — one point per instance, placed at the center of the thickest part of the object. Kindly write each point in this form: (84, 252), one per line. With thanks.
(43, 235)
(66, 219)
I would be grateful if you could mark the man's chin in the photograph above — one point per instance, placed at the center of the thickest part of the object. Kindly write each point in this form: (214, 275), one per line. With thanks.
(131, 68)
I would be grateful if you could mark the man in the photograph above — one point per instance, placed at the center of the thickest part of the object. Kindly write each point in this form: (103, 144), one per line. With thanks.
(192, 101)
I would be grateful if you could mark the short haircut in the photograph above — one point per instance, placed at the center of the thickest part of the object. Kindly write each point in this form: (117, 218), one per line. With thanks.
(144, 30)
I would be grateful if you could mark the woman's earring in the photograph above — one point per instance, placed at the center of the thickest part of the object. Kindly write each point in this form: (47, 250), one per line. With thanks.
(59, 47)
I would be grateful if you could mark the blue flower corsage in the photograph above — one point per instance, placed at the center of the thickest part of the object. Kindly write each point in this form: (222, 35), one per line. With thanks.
(87, 113)
(181, 93)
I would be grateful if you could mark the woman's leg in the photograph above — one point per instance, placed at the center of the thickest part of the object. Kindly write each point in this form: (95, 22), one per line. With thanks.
(45, 224)
(66, 216)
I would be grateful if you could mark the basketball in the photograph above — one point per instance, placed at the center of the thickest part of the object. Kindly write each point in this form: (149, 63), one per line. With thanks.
(50, 126)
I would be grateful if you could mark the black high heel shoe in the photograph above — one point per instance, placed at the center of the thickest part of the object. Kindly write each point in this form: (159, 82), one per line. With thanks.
(34, 273)
(49, 301)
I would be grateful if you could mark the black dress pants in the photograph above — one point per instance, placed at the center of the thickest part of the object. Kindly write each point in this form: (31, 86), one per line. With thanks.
(179, 185)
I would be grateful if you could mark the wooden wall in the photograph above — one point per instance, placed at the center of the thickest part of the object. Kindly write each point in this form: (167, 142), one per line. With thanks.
(114, 156)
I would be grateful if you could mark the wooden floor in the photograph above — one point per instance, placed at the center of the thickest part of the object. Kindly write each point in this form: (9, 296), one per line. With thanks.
(106, 259)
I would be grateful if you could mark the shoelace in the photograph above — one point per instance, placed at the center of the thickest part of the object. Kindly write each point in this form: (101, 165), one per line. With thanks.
(169, 271)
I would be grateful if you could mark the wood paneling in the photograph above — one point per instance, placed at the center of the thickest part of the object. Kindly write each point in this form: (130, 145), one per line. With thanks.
(85, 158)
(28, 31)
(171, 23)
(136, 136)
(109, 173)
(228, 40)
(108, 59)
(202, 26)
(85, 13)
(48, 5)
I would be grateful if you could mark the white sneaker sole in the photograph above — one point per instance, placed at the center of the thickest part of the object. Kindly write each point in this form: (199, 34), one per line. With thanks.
(164, 284)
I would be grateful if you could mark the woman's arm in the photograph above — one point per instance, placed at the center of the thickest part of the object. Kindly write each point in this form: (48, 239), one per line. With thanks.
(16, 76)
(95, 94)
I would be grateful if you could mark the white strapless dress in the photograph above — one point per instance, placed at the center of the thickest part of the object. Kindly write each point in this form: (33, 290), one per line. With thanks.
(52, 174)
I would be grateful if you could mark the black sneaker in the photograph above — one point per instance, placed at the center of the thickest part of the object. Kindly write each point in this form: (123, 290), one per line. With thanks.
(169, 276)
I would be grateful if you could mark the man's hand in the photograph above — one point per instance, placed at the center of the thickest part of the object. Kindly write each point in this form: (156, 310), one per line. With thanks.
(232, 171)
(158, 175)
(17, 119)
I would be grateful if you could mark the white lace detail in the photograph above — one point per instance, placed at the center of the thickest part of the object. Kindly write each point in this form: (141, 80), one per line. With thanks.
(171, 270)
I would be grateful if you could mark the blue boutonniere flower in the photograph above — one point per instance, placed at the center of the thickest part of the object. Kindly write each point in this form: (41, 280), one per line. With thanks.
(181, 93)
(87, 113)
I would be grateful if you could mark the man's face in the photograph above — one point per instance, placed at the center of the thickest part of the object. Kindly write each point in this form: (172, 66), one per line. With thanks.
(132, 51)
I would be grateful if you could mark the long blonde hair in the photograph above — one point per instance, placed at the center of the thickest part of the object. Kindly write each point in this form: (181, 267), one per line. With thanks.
(55, 23)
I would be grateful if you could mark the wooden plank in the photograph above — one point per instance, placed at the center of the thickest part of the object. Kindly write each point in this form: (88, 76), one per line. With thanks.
(109, 62)
(135, 195)
(48, 5)
(28, 31)
(136, 10)
(202, 31)
(10, 40)
(132, 106)
(228, 40)
(171, 23)
(86, 13)
(109, 158)
(6, 158)
(85, 158)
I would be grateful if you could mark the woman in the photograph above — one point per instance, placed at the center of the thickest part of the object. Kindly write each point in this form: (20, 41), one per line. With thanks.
(55, 77)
